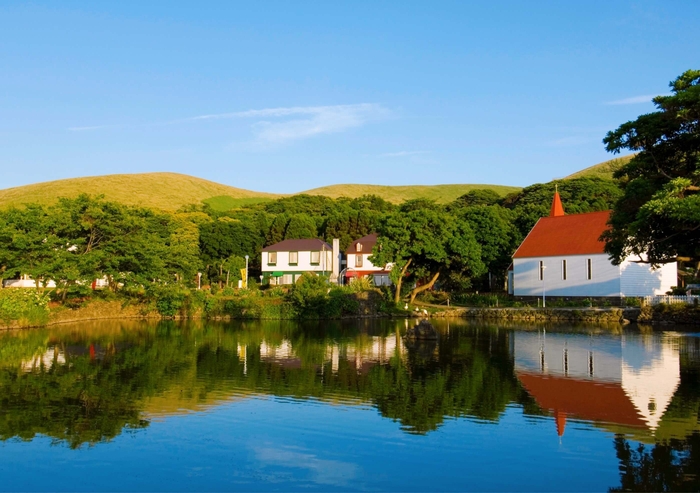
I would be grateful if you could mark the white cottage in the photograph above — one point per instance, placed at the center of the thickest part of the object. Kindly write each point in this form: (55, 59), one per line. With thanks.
(358, 264)
(564, 256)
(286, 261)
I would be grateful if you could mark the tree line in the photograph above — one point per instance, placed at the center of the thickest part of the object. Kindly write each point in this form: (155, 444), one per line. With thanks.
(464, 244)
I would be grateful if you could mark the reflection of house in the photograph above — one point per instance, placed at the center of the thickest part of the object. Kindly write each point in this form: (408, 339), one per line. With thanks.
(358, 264)
(286, 261)
(622, 381)
(563, 256)
(361, 356)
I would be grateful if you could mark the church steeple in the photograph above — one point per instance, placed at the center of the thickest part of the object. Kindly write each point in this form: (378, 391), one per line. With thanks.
(557, 209)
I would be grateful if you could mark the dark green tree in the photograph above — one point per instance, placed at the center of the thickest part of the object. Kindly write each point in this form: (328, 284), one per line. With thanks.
(658, 217)
(300, 226)
(578, 195)
(429, 242)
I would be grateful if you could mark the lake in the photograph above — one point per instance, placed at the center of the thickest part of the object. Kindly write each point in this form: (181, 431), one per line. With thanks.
(331, 406)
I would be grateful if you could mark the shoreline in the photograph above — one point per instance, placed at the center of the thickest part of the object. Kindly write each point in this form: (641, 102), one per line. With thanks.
(115, 310)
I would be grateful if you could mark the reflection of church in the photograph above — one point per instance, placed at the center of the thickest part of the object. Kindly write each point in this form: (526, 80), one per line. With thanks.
(611, 380)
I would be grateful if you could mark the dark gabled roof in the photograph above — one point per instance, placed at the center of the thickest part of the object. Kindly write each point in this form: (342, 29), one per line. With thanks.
(367, 243)
(576, 234)
(304, 245)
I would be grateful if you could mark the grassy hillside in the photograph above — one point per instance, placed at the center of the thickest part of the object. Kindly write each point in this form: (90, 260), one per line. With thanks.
(170, 191)
(167, 191)
(397, 194)
(602, 170)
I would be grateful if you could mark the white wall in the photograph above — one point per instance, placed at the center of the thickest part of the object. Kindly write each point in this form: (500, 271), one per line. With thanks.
(605, 280)
(641, 280)
(366, 264)
(303, 264)
(572, 355)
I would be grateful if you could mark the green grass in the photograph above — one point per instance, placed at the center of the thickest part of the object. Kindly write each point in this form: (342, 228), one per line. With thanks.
(397, 194)
(166, 191)
(602, 170)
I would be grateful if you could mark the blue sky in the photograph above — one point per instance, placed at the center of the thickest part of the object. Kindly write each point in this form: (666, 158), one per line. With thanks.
(287, 96)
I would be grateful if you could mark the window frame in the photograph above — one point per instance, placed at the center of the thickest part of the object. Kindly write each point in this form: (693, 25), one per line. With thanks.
(296, 261)
(270, 256)
(540, 273)
(359, 262)
(589, 269)
(311, 257)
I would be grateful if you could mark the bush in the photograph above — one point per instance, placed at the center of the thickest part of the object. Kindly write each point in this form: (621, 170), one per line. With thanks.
(25, 306)
(170, 299)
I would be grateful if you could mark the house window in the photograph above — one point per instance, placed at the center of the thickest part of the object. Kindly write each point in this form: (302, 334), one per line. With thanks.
(358, 260)
(541, 270)
(315, 258)
(271, 258)
(287, 279)
(589, 269)
(293, 258)
(358, 247)
(563, 270)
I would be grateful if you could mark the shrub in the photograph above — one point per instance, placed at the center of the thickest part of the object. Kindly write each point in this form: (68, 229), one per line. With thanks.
(170, 299)
(26, 306)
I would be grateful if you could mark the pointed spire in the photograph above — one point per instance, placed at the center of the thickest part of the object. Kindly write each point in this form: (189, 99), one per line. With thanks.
(557, 209)
(560, 420)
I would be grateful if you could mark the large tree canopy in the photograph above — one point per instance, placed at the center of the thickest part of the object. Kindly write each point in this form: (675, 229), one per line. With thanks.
(426, 242)
(658, 217)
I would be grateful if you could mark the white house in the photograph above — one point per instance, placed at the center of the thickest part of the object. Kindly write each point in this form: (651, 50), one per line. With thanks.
(358, 264)
(286, 261)
(564, 256)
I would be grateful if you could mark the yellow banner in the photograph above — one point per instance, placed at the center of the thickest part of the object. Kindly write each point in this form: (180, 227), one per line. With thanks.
(245, 281)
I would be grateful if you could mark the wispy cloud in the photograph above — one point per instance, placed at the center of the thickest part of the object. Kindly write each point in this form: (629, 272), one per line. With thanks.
(402, 153)
(280, 125)
(327, 472)
(635, 100)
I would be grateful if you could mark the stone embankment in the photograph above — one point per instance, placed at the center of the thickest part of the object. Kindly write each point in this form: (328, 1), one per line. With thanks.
(601, 315)
(662, 314)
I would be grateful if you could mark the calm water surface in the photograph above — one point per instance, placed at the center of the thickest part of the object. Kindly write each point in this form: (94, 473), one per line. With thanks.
(171, 406)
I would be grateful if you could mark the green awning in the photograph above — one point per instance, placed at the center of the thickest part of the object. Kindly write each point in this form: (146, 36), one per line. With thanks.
(277, 274)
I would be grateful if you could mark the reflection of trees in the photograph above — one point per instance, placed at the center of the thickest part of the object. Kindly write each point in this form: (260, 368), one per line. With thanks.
(93, 394)
(673, 465)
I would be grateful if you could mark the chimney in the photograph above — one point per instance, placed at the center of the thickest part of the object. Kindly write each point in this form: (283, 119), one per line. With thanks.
(336, 260)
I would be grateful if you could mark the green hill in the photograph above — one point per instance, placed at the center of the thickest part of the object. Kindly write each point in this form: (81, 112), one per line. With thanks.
(602, 170)
(170, 191)
(167, 191)
(399, 193)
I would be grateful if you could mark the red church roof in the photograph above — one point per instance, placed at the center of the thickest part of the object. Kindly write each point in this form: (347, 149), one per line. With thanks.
(585, 399)
(577, 234)
(559, 234)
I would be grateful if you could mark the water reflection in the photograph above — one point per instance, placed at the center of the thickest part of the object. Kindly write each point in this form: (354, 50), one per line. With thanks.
(88, 383)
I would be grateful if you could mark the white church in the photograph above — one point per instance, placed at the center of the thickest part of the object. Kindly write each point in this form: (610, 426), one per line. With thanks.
(563, 256)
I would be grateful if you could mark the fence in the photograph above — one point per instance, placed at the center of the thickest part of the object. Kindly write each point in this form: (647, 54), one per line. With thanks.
(671, 300)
